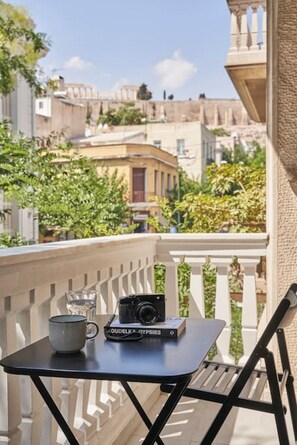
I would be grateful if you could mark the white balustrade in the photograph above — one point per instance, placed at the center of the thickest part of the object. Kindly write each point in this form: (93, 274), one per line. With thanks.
(33, 283)
(248, 26)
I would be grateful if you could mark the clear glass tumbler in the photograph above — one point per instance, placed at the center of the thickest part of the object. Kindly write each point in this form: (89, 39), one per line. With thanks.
(82, 302)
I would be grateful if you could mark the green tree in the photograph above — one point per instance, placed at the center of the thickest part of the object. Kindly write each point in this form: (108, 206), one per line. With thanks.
(237, 201)
(169, 204)
(62, 185)
(220, 131)
(127, 114)
(89, 113)
(12, 240)
(230, 198)
(253, 155)
(144, 93)
(20, 48)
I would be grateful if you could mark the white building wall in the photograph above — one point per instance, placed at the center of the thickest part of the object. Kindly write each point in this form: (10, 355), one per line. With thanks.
(192, 154)
(43, 106)
(22, 109)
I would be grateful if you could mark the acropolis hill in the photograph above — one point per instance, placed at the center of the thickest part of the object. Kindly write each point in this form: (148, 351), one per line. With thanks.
(227, 113)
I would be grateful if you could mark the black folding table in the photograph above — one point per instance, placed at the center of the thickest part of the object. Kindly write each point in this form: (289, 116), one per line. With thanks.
(150, 360)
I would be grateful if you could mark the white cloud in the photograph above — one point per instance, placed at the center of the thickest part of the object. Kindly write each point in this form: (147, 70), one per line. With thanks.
(77, 63)
(175, 71)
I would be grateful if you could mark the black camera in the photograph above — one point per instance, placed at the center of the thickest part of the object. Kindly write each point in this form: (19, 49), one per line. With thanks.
(145, 309)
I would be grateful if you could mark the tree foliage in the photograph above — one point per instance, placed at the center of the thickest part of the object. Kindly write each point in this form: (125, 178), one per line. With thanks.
(20, 48)
(253, 155)
(231, 198)
(220, 131)
(12, 240)
(144, 93)
(62, 185)
(127, 114)
(237, 202)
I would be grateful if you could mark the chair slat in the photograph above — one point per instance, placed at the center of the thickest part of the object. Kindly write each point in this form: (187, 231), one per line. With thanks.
(211, 383)
(249, 385)
(203, 375)
(224, 387)
(262, 381)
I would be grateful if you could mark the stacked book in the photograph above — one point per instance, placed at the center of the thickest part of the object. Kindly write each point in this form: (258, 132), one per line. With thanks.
(172, 327)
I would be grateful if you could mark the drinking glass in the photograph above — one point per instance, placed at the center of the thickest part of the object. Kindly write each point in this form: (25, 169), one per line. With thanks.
(82, 302)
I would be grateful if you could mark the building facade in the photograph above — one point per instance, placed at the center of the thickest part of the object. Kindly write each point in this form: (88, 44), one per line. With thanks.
(56, 114)
(191, 142)
(148, 170)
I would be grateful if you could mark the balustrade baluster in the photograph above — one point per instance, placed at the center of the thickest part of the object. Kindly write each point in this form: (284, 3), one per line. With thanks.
(171, 289)
(10, 387)
(249, 307)
(197, 303)
(254, 29)
(223, 308)
(264, 27)
(244, 30)
(235, 30)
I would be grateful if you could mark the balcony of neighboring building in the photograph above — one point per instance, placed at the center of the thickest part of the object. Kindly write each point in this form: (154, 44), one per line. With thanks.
(246, 59)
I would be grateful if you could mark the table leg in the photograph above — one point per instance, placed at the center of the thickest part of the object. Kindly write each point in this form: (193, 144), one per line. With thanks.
(166, 411)
(156, 428)
(54, 410)
(140, 410)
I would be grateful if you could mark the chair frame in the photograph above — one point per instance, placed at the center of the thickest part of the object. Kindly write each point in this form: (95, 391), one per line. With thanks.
(236, 395)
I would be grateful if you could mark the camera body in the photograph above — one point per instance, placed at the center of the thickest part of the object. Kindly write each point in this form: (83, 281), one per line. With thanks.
(145, 309)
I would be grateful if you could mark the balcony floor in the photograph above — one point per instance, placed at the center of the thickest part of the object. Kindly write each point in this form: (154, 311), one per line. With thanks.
(187, 425)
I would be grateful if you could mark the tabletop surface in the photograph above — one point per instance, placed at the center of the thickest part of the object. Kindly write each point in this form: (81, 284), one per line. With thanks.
(154, 360)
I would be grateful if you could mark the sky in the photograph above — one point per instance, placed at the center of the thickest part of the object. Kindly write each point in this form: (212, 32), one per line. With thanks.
(179, 46)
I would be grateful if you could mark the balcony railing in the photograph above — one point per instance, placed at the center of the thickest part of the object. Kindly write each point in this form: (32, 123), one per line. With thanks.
(246, 59)
(34, 280)
(248, 29)
(139, 196)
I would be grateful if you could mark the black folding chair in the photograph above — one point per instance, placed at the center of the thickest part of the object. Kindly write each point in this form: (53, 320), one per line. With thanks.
(243, 387)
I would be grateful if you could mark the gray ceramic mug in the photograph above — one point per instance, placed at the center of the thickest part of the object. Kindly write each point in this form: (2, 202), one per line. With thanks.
(68, 333)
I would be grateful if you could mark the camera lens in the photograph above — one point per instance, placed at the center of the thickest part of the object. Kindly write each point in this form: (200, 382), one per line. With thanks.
(147, 314)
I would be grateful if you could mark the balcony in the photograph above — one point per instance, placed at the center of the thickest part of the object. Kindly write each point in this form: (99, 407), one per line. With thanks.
(246, 59)
(33, 282)
(139, 196)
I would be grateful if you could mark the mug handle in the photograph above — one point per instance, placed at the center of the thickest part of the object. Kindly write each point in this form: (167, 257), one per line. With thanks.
(89, 336)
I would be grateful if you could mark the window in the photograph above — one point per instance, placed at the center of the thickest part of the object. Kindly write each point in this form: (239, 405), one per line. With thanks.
(138, 187)
(162, 184)
(204, 150)
(168, 183)
(156, 187)
(180, 147)
(157, 143)
(40, 105)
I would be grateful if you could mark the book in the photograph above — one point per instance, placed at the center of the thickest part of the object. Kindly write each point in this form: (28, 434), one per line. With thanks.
(172, 327)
